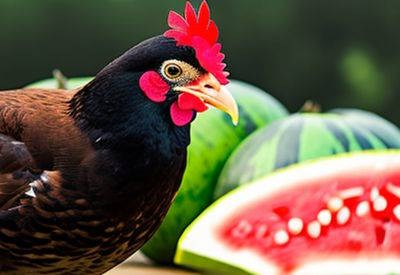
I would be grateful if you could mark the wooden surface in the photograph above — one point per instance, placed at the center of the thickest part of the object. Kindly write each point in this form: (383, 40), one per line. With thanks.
(126, 269)
(140, 265)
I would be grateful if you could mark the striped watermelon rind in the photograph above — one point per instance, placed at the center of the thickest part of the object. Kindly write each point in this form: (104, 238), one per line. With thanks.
(298, 138)
(380, 127)
(52, 83)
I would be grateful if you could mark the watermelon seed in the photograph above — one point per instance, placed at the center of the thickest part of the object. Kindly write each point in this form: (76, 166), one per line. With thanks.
(351, 193)
(295, 226)
(343, 215)
(262, 229)
(281, 237)
(314, 229)
(362, 209)
(395, 190)
(396, 212)
(380, 204)
(324, 217)
(334, 204)
(242, 229)
(374, 194)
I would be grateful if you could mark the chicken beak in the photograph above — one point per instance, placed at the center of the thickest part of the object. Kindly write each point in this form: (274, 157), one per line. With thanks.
(211, 92)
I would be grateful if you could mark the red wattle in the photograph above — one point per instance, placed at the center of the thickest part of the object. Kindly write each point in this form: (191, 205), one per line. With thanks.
(153, 86)
(190, 102)
(179, 116)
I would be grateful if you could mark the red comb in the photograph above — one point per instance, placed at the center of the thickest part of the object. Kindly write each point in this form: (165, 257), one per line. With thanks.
(201, 33)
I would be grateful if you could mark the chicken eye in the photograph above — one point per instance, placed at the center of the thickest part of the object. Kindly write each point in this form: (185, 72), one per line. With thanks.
(173, 71)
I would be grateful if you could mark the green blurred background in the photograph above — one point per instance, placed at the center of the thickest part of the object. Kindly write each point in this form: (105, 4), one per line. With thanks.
(337, 53)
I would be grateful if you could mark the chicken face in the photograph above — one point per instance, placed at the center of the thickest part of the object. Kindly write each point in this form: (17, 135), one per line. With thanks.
(196, 86)
(194, 90)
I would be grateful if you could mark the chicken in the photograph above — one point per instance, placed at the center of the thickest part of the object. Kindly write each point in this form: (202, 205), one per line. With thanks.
(86, 176)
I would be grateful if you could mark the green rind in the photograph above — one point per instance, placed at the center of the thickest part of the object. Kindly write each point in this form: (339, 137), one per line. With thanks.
(207, 265)
(203, 263)
(213, 138)
(387, 131)
(52, 83)
(298, 138)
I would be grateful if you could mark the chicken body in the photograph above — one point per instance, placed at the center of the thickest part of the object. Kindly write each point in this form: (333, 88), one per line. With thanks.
(86, 176)
(64, 210)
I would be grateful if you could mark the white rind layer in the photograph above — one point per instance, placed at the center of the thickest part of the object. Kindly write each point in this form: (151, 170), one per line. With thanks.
(362, 266)
(200, 239)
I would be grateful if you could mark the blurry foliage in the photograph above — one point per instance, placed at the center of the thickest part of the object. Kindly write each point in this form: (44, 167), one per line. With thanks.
(338, 53)
(366, 82)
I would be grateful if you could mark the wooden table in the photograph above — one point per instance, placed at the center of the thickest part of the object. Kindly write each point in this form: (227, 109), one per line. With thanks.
(140, 265)
(126, 269)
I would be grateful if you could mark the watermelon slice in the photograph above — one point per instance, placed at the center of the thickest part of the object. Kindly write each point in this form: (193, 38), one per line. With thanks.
(334, 216)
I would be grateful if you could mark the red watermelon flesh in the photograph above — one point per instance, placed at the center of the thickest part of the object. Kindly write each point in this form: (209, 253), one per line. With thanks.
(354, 212)
(341, 213)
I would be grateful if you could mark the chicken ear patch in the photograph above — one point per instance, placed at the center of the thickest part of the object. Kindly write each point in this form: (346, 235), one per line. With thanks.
(182, 110)
(179, 116)
(153, 86)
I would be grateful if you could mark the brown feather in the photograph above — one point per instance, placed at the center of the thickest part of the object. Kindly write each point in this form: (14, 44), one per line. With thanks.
(34, 117)
(65, 231)
(102, 165)
(31, 138)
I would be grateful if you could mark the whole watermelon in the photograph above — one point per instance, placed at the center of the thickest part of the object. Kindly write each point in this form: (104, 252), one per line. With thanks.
(213, 138)
(52, 83)
(302, 137)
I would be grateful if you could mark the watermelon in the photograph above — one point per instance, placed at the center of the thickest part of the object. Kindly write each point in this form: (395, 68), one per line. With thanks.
(380, 127)
(339, 215)
(213, 139)
(52, 83)
(302, 137)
